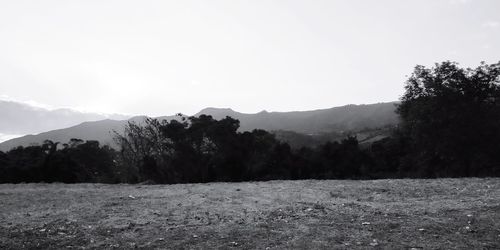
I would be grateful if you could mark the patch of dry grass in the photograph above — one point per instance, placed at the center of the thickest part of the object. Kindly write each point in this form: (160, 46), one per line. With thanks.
(442, 213)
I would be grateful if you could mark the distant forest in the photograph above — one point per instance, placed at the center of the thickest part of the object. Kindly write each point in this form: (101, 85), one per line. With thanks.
(450, 127)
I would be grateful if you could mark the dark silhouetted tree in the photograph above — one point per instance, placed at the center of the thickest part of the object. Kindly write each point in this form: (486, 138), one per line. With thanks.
(451, 118)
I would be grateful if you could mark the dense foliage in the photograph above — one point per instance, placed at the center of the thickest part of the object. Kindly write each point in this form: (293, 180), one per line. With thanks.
(199, 149)
(76, 161)
(450, 127)
(451, 121)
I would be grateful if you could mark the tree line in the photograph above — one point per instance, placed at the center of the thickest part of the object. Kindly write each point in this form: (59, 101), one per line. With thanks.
(450, 127)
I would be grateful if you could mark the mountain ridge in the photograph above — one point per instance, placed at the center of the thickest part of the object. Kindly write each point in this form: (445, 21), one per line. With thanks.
(22, 118)
(337, 119)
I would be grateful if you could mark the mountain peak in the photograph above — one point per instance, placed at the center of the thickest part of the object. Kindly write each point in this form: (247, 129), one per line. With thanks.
(216, 112)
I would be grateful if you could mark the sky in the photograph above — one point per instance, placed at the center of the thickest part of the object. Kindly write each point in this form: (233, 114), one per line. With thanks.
(164, 57)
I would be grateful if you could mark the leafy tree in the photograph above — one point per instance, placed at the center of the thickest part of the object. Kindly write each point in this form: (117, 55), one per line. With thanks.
(451, 118)
(141, 144)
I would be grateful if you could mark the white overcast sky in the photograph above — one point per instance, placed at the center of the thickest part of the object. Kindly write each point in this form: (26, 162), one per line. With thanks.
(164, 57)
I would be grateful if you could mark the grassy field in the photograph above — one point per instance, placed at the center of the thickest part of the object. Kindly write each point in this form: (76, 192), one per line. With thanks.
(401, 214)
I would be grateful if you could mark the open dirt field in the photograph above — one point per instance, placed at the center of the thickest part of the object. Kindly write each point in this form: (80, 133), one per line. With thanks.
(401, 214)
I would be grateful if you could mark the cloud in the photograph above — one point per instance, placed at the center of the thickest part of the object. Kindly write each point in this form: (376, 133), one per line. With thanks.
(491, 24)
(38, 104)
(31, 103)
(6, 137)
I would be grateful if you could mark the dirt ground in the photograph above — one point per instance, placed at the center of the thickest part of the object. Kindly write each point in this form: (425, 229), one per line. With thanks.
(381, 214)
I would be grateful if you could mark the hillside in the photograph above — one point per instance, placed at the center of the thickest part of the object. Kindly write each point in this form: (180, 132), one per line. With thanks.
(338, 119)
(380, 214)
(334, 121)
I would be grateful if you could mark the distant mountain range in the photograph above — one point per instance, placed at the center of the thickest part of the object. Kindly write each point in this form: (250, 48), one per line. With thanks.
(19, 118)
(336, 120)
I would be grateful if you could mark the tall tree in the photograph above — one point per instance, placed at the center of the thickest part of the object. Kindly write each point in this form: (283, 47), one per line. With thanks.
(451, 117)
